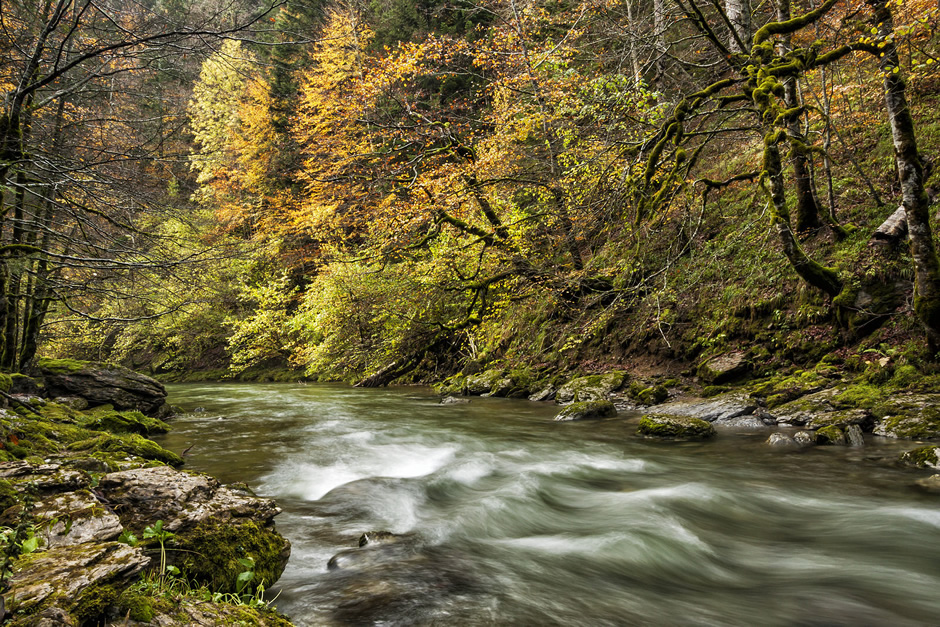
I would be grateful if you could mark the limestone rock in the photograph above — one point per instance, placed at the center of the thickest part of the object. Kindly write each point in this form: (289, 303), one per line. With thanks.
(722, 408)
(454, 400)
(724, 368)
(923, 457)
(674, 427)
(590, 388)
(545, 394)
(781, 440)
(44, 478)
(804, 438)
(74, 518)
(214, 525)
(74, 578)
(103, 384)
(587, 410)
(483, 383)
(909, 417)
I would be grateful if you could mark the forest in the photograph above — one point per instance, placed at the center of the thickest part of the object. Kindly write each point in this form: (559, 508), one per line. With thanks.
(391, 191)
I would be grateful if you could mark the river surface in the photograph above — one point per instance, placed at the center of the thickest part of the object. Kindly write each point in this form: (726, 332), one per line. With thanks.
(511, 519)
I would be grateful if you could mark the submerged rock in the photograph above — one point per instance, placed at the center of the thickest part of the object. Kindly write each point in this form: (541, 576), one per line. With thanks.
(104, 384)
(587, 410)
(853, 436)
(454, 400)
(929, 484)
(805, 438)
(674, 427)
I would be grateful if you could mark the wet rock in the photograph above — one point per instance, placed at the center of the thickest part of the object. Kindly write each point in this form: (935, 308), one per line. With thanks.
(587, 410)
(853, 436)
(781, 440)
(483, 383)
(929, 484)
(103, 384)
(831, 435)
(79, 579)
(672, 427)
(801, 411)
(590, 388)
(545, 394)
(214, 525)
(909, 417)
(861, 418)
(74, 518)
(741, 422)
(378, 537)
(923, 457)
(722, 408)
(454, 400)
(725, 368)
(375, 548)
(805, 438)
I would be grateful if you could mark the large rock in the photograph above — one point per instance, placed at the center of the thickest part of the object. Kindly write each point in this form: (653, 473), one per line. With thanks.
(673, 427)
(80, 579)
(104, 384)
(214, 525)
(593, 387)
(587, 410)
(723, 408)
(923, 457)
(74, 518)
(724, 368)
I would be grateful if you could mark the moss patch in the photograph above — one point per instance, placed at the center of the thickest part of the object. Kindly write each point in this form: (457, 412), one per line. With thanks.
(62, 366)
(923, 457)
(675, 427)
(210, 552)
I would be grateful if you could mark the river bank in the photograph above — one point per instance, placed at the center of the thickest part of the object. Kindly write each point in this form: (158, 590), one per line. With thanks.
(98, 525)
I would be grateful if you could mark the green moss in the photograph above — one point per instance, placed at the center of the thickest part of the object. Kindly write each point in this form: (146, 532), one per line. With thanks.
(124, 422)
(209, 553)
(830, 435)
(8, 495)
(653, 395)
(675, 427)
(62, 366)
(905, 376)
(923, 457)
(92, 603)
(6, 382)
(129, 444)
(587, 410)
(137, 605)
(862, 396)
(714, 390)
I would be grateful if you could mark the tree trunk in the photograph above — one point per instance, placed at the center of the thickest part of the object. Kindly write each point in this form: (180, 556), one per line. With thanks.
(911, 176)
(739, 14)
(813, 273)
(807, 209)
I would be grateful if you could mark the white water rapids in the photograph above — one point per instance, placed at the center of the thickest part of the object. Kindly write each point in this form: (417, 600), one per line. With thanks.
(508, 518)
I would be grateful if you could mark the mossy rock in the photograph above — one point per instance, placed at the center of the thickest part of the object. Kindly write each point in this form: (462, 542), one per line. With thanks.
(483, 383)
(63, 366)
(128, 444)
(724, 368)
(6, 382)
(209, 553)
(590, 388)
(923, 457)
(653, 395)
(124, 422)
(831, 434)
(667, 426)
(908, 416)
(587, 410)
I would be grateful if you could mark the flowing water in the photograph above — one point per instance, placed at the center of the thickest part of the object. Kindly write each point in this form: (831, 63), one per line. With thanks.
(507, 518)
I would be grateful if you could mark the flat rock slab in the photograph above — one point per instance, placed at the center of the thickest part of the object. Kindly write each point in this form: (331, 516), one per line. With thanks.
(180, 499)
(672, 427)
(588, 410)
(103, 384)
(74, 518)
(62, 575)
(723, 408)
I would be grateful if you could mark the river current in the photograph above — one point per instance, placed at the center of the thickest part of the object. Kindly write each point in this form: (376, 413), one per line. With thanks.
(508, 518)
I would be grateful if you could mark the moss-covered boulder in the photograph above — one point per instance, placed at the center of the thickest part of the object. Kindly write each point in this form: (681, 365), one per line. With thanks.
(590, 388)
(104, 384)
(672, 427)
(214, 525)
(80, 580)
(908, 417)
(484, 382)
(923, 457)
(587, 410)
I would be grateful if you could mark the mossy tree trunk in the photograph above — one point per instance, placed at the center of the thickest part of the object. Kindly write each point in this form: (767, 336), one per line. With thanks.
(911, 176)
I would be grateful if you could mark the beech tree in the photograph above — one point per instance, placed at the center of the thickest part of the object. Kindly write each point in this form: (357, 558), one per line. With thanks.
(86, 147)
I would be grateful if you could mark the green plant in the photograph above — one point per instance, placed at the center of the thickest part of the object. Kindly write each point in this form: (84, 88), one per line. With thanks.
(161, 535)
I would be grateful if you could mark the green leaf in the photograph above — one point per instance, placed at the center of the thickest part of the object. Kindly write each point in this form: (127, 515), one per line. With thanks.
(30, 545)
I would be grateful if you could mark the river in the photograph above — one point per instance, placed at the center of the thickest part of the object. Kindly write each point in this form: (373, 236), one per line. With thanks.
(509, 518)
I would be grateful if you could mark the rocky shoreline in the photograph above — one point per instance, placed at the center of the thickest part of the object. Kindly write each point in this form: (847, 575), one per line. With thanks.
(828, 405)
(98, 526)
